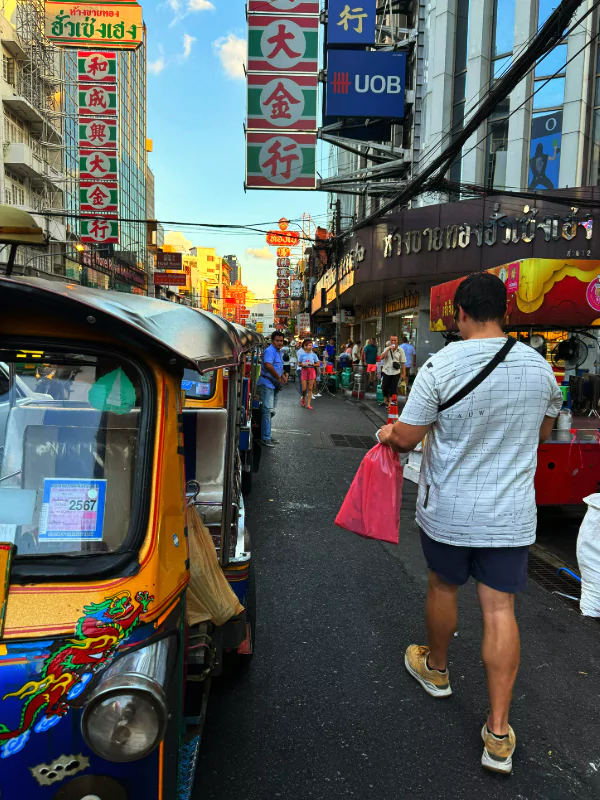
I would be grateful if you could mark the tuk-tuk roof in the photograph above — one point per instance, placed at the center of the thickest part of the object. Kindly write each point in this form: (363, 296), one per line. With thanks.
(19, 227)
(253, 338)
(198, 338)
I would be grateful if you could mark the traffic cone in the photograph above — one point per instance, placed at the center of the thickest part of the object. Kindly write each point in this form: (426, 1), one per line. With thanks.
(393, 411)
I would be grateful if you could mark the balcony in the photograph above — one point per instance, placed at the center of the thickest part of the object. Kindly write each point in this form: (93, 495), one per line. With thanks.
(22, 160)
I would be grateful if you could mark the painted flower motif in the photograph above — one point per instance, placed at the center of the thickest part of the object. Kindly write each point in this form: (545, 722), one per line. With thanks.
(14, 746)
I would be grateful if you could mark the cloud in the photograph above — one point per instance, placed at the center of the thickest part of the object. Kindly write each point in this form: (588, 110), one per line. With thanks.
(232, 52)
(264, 253)
(188, 42)
(175, 5)
(178, 240)
(199, 5)
(156, 67)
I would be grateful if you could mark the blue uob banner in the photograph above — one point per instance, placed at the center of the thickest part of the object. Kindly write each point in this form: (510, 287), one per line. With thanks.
(365, 84)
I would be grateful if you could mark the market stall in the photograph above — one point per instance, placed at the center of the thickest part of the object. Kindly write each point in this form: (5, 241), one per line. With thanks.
(554, 307)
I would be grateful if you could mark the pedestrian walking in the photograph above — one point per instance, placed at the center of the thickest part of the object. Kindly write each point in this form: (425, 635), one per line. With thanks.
(488, 401)
(393, 367)
(270, 383)
(411, 355)
(370, 360)
(309, 362)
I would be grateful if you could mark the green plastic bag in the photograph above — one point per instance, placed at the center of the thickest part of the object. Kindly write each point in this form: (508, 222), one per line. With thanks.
(113, 392)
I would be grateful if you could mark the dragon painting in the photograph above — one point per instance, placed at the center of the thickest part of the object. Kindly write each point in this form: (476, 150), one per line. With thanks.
(70, 666)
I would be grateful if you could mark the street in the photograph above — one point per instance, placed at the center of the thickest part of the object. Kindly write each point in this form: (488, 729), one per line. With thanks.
(327, 709)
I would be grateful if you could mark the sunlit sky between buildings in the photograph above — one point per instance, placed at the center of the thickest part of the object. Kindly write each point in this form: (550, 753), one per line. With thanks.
(196, 110)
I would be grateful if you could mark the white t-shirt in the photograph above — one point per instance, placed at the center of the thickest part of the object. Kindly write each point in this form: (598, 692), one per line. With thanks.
(476, 486)
(398, 357)
(356, 353)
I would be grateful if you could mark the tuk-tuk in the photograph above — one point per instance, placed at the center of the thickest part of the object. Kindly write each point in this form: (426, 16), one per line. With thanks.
(98, 656)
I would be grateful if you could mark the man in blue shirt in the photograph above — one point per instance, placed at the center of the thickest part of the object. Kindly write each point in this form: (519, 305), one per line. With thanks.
(269, 384)
(331, 351)
(410, 353)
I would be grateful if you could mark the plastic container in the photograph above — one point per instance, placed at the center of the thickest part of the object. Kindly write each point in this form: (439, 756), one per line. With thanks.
(565, 420)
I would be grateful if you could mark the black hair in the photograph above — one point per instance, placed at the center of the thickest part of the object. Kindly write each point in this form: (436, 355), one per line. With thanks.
(305, 342)
(275, 334)
(482, 297)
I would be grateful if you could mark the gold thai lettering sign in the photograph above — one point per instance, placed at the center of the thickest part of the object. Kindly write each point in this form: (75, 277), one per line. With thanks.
(114, 26)
(403, 303)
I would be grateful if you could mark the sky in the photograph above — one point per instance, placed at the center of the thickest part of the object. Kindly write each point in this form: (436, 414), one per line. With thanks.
(196, 112)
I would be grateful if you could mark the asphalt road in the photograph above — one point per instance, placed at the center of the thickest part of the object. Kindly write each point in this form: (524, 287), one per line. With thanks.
(327, 709)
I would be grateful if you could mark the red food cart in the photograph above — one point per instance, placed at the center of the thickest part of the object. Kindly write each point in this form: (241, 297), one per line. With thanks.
(554, 306)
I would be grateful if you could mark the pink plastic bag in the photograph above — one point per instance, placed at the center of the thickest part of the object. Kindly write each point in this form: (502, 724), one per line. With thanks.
(372, 505)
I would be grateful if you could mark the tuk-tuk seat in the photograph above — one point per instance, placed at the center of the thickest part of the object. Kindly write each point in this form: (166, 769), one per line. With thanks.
(205, 434)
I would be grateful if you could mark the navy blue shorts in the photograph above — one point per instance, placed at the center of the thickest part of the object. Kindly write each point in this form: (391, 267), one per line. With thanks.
(501, 568)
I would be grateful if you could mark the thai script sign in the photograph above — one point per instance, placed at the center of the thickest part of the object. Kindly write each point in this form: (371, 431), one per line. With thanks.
(283, 238)
(351, 24)
(499, 228)
(116, 26)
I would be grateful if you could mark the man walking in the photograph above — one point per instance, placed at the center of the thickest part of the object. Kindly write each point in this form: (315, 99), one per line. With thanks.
(370, 359)
(411, 355)
(269, 384)
(476, 502)
(393, 366)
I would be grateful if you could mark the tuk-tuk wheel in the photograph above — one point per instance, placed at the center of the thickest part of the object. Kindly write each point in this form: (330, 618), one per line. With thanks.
(246, 482)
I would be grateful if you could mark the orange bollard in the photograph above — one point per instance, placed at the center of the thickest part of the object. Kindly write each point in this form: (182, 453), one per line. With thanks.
(393, 411)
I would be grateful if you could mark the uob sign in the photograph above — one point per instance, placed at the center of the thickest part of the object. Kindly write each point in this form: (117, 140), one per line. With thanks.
(365, 84)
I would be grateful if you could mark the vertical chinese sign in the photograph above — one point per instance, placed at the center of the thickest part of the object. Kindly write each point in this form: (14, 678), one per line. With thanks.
(283, 65)
(98, 31)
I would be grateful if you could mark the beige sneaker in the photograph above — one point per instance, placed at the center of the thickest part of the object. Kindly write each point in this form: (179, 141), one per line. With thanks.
(435, 683)
(498, 753)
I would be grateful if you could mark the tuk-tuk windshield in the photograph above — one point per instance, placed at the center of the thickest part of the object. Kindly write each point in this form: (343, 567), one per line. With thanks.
(197, 386)
(69, 440)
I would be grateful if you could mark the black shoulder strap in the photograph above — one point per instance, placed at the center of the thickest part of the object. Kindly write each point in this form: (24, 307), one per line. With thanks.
(485, 373)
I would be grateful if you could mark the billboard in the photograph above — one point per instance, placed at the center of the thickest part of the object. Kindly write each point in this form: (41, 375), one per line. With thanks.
(166, 261)
(100, 198)
(283, 238)
(98, 133)
(541, 291)
(281, 161)
(283, 43)
(96, 67)
(544, 151)
(114, 26)
(366, 84)
(170, 279)
(284, 6)
(98, 101)
(95, 165)
(282, 101)
(353, 24)
(297, 290)
(99, 231)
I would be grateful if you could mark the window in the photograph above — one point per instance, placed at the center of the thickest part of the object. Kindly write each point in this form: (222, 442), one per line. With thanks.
(498, 124)
(68, 454)
(199, 387)
(460, 80)
(8, 69)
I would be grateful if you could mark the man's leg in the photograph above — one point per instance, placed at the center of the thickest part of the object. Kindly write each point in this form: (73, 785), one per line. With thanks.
(501, 653)
(267, 404)
(441, 614)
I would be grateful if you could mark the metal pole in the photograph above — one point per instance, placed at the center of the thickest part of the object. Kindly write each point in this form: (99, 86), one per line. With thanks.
(229, 482)
(11, 260)
(338, 303)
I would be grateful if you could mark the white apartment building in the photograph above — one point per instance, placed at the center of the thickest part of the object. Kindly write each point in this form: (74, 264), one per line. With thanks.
(38, 168)
(263, 314)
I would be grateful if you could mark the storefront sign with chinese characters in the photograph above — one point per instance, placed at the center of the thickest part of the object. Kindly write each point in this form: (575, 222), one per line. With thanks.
(98, 133)
(98, 101)
(283, 252)
(98, 198)
(99, 231)
(283, 6)
(283, 272)
(95, 165)
(276, 102)
(115, 26)
(96, 67)
(283, 43)
(283, 262)
(368, 312)
(281, 161)
(500, 228)
(351, 24)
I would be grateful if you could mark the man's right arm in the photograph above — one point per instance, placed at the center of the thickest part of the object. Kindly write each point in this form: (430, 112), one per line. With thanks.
(546, 429)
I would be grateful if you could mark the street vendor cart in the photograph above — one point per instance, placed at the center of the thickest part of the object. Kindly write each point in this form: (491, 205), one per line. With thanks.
(553, 306)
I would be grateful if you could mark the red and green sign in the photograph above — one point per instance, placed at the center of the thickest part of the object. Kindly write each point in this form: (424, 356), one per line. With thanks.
(95, 67)
(283, 44)
(282, 101)
(284, 6)
(98, 133)
(542, 292)
(97, 166)
(284, 161)
(98, 197)
(98, 101)
(99, 231)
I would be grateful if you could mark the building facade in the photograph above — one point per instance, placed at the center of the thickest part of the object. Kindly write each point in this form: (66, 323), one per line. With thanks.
(236, 268)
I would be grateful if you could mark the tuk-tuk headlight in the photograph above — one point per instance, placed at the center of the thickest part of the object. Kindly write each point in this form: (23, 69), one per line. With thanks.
(125, 716)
